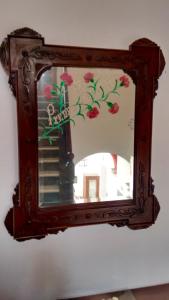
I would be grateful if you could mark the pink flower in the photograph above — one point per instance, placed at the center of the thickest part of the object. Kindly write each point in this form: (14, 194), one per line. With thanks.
(67, 78)
(124, 81)
(114, 109)
(47, 91)
(88, 77)
(93, 113)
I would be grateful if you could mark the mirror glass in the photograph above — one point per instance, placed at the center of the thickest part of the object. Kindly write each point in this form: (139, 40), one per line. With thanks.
(90, 113)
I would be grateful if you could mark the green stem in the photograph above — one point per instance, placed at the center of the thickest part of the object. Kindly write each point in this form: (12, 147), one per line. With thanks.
(46, 134)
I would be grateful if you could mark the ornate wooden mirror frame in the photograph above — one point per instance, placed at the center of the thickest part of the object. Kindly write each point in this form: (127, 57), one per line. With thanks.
(24, 55)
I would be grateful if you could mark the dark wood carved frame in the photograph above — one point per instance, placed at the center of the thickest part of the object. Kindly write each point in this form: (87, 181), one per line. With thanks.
(24, 55)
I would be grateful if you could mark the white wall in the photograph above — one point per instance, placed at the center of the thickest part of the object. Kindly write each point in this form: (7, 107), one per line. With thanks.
(99, 258)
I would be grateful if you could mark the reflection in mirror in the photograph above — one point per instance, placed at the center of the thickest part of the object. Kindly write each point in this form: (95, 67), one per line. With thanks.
(103, 176)
(90, 113)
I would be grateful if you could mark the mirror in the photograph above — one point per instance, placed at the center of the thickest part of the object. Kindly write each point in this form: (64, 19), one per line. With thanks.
(84, 134)
(99, 106)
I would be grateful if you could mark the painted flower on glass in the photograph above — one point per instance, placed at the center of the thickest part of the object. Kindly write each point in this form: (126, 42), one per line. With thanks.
(95, 94)
(114, 108)
(47, 91)
(124, 81)
(67, 78)
(93, 112)
(88, 77)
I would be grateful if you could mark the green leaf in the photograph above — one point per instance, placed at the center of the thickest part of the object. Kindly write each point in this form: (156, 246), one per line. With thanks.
(56, 86)
(106, 97)
(91, 86)
(59, 128)
(95, 85)
(109, 104)
(80, 114)
(62, 83)
(89, 107)
(61, 103)
(115, 87)
(53, 92)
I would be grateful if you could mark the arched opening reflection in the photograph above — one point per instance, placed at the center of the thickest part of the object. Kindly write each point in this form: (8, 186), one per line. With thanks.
(103, 177)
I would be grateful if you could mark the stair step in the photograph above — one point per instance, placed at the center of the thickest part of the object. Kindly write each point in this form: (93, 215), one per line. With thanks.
(42, 110)
(48, 199)
(49, 167)
(46, 148)
(52, 136)
(49, 173)
(45, 181)
(54, 133)
(45, 142)
(49, 189)
(48, 160)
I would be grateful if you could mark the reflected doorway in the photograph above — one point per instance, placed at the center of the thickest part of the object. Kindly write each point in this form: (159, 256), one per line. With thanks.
(91, 188)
